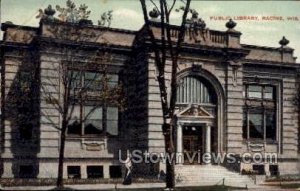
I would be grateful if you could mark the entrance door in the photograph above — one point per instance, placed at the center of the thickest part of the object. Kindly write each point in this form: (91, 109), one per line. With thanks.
(192, 144)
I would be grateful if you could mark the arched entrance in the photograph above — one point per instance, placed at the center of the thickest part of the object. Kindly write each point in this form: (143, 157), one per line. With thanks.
(199, 116)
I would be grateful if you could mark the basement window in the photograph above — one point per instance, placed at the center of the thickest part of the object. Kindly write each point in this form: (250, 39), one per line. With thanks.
(273, 170)
(74, 172)
(26, 171)
(259, 169)
(95, 171)
(115, 171)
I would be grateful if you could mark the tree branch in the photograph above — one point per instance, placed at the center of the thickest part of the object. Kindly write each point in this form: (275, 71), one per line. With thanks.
(158, 62)
(175, 59)
(171, 8)
(154, 4)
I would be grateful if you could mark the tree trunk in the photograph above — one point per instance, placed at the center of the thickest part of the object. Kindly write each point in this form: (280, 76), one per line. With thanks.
(170, 160)
(160, 52)
(60, 182)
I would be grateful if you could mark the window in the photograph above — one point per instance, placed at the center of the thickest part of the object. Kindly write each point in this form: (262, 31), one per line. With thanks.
(269, 92)
(259, 118)
(74, 126)
(75, 79)
(260, 91)
(194, 90)
(112, 120)
(254, 91)
(112, 80)
(74, 172)
(259, 169)
(115, 171)
(92, 121)
(270, 125)
(91, 81)
(91, 117)
(94, 171)
(256, 125)
(273, 170)
(26, 171)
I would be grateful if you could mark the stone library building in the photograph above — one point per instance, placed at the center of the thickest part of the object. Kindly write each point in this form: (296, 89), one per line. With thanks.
(232, 99)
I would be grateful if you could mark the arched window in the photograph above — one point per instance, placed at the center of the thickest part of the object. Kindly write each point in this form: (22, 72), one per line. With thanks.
(194, 90)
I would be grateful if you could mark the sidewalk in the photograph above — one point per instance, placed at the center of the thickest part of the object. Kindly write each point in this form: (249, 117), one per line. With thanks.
(90, 186)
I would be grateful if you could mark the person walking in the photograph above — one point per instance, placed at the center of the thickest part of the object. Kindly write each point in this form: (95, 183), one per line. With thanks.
(128, 176)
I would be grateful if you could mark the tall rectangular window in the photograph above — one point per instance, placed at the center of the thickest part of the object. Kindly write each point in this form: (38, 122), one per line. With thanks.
(259, 118)
(91, 115)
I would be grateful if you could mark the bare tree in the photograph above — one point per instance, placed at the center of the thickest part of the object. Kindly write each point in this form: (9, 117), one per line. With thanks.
(72, 69)
(167, 48)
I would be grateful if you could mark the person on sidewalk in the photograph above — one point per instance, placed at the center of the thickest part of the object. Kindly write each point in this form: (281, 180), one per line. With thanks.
(128, 165)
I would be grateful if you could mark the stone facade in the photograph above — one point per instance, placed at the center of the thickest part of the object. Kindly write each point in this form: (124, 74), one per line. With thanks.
(236, 79)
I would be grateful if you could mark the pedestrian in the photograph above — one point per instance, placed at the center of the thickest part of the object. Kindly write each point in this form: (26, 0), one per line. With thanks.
(128, 176)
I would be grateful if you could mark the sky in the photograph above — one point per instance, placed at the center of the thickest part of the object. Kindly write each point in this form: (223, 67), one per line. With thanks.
(127, 14)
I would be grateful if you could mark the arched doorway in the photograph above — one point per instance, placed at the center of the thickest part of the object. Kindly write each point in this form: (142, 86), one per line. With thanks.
(199, 117)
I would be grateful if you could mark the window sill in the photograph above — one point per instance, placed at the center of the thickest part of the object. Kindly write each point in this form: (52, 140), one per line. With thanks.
(90, 136)
(255, 140)
(261, 141)
(271, 142)
(29, 142)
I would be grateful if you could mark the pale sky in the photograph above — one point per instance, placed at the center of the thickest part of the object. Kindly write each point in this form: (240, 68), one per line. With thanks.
(127, 14)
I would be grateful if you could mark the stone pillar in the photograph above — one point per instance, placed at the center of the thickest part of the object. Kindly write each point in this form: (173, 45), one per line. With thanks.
(179, 145)
(7, 170)
(208, 141)
(208, 137)
(106, 171)
(83, 171)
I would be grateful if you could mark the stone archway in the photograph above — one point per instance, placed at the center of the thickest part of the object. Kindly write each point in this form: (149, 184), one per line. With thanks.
(216, 122)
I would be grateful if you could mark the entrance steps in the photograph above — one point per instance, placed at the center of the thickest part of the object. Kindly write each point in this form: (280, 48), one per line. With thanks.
(210, 175)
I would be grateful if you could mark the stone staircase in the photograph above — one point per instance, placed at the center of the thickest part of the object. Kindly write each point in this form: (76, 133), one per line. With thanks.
(191, 175)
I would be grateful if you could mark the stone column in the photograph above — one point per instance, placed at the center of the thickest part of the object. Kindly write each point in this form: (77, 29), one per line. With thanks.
(179, 145)
(7, 170)
(83, 171)
(106, 171)
(207, 140)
